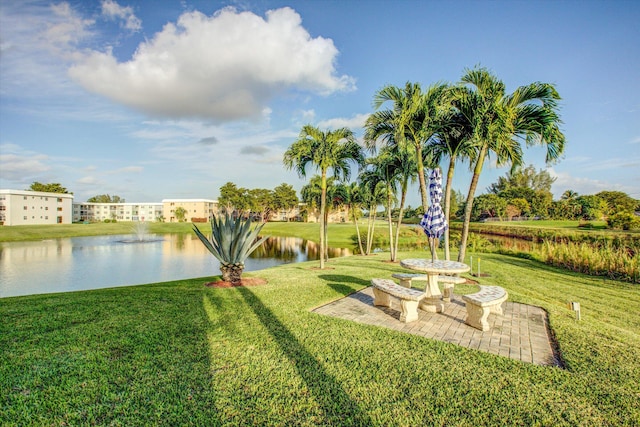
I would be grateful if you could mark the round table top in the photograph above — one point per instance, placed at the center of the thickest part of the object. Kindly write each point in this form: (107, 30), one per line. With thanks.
(435, 266)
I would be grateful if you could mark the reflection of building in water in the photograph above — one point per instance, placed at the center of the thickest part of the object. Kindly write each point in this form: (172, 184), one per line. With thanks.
(25, 264)
(187, 244)
(294, 248)
(287, 249)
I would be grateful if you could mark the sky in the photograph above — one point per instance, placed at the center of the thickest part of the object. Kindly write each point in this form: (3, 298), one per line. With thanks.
(150, 100)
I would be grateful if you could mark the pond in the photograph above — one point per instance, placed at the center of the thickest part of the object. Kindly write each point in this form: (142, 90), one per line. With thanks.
(82, 263)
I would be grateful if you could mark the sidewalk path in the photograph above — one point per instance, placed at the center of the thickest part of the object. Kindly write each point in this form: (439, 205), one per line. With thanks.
(520, 333)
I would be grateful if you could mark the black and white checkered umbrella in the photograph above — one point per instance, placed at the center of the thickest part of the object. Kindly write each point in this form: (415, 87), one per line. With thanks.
(433, 221)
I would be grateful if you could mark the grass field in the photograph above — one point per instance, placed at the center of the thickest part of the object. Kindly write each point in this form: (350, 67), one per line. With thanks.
(179, 353)
(552, 224)
(340, 235)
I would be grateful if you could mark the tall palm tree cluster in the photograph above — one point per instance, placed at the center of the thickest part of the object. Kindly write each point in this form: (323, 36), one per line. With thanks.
(412, 130)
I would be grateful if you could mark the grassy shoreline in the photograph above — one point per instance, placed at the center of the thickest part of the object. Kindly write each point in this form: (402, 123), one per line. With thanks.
(179, 353)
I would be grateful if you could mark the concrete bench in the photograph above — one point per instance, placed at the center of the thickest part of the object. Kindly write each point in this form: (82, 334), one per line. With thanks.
(480, 304)
(449, 281)
(409, 298)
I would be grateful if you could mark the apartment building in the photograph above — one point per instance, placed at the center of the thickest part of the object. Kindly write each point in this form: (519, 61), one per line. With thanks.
(286, 215)
(195, 210)
(18, 207)
(339, 215)
(98, 212)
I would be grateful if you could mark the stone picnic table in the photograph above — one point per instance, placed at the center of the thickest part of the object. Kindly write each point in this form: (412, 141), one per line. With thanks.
(433, 268)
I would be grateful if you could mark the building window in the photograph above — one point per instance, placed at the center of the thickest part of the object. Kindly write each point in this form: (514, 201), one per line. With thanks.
(25, 208)
(59, 200)
(24, 217)
(59, 209)
(25, 197)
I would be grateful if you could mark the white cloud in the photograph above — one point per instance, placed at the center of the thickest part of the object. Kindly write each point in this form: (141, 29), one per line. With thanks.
(126, 170)
(112, 10)
(20, 166)
(223, 67)
(89, 181)
(36, 40)
(67, 27)
(583, 186)
(308, 115)
(355, 122)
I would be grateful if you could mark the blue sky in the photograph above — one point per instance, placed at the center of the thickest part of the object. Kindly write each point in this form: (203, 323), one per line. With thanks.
(172, 99)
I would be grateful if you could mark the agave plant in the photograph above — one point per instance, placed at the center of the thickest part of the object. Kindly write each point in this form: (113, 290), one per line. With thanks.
(232, 241)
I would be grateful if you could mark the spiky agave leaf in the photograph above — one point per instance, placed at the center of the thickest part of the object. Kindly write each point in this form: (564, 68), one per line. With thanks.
(211, 247)
(232, 241)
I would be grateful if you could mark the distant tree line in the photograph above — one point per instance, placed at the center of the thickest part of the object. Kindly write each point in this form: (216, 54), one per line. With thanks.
(258, 202)
(105, 198)
(527, 193)
(53, 187)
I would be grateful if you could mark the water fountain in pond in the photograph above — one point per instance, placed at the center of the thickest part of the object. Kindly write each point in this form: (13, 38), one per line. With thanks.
(140, 234)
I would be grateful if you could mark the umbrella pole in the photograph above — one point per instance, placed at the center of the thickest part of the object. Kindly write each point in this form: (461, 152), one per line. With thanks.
(432, 247)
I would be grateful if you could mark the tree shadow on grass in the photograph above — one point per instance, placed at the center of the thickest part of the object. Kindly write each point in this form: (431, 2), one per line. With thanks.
(343, 284)
(338, 407)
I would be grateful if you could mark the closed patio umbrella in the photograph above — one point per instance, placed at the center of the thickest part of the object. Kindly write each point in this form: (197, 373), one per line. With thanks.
(433, 221)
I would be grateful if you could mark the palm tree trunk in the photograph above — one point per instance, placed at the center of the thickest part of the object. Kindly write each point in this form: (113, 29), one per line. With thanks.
(403, 198)
(421, 179)
(323, 207)
(390, 220)
(447, 205)
(355, 221)
(326, 235)
(369, 230)
(469, 206)
(372, 226)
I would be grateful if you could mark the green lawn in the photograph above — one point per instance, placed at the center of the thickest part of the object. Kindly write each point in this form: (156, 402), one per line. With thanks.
(340, 235)
(179, 353)
(552, 224)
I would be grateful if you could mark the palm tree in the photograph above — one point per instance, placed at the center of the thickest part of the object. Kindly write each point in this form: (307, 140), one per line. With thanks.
(500, 122)
(397, 166)
(385, 171)
(312, 195)
(453, 140)
(569, 195)
(411, 122)
(354, 203)
(574, 208)
(374, 194)
(334, 150)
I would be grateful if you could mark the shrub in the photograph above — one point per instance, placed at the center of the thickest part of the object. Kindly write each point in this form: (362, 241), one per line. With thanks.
(623, 221)
(232, 241)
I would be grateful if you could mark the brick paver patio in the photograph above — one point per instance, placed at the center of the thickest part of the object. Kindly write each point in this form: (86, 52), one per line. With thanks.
(520, 333)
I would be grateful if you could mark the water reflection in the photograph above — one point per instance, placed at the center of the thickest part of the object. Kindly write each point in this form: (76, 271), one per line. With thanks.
(81, 263)
(293, 249)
